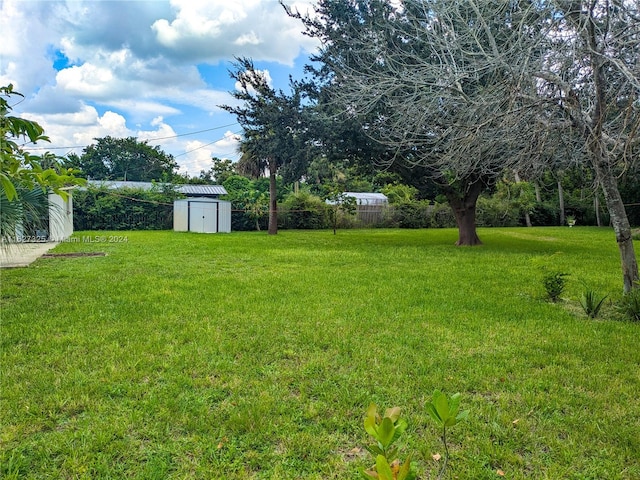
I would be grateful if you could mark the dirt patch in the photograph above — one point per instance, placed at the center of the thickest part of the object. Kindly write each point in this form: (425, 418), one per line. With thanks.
(74, 254)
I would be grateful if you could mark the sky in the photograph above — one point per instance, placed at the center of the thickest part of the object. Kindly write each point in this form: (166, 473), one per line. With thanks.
(157, 70)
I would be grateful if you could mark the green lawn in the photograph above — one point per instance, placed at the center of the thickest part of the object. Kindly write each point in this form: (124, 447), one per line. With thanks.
(184, 356)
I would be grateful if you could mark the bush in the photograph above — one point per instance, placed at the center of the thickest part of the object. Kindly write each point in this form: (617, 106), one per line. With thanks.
(544, 214)
(412, 214)
(497, 212)
(591, 302)
(303, 211)
(554, 284)
(124, 209)
(441, 216)
(629, 305)
(242, 192)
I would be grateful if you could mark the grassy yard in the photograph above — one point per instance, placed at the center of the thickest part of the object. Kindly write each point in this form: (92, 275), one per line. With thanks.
(186, 356)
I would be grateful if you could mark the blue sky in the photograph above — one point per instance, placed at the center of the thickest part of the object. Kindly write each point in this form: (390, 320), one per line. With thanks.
(153, 69)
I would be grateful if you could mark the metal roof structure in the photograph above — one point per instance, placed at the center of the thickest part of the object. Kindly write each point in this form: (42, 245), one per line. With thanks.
(202, 189)
(189, 190)
(366, 198)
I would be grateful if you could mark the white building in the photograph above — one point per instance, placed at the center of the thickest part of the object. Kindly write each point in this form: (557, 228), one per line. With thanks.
(202, 215)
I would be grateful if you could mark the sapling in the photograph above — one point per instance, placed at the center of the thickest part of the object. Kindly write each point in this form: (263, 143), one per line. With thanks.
(446, 413)
(386, 430)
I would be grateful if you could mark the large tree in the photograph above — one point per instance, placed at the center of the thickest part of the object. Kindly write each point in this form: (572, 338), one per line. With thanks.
(591, 81)
(467, 90)
(127, 159)
(271, 122)
(434, 81)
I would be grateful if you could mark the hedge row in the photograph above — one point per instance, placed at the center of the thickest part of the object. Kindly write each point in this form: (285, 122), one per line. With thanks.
(130, 209)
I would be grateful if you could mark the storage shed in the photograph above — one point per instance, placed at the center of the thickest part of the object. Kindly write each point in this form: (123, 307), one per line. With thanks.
(202, 215)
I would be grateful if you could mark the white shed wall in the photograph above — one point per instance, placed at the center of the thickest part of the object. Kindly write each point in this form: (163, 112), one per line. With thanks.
(203, 215)
(60, 217)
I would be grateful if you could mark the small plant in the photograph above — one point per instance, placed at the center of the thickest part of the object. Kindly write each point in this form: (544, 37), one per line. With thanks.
(571, 221)
(446, 413)
(592, 303)
(339, 203)
(554, 284)
(386, 431)
(629, 305)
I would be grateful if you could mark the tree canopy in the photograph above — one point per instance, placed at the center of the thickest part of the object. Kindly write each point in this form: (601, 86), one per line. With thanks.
(124, 159)
(436, 82)
(271, 122)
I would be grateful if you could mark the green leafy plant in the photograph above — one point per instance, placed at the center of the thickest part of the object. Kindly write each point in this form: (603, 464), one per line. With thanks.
(386, 430)
(629, 305)
(340, 203)
(554, 284)
(592, 303)
(445, 411)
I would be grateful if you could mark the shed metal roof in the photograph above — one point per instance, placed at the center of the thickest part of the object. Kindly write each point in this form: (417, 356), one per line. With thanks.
(202, 189)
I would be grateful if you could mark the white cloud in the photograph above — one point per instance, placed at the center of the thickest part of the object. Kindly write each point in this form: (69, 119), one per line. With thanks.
(248, 39)
(87, 80)
(24, 46)
(163, 135)
(197, 154)
(89, 69)
(219, 29)
(145, 109)
(79, 129)
(262, 73)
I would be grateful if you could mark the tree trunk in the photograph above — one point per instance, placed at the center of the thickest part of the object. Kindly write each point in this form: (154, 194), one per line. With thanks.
(622, 229)
(602, 166)
(273, 198)
(561, 199)
(596, 207)
(464, 209)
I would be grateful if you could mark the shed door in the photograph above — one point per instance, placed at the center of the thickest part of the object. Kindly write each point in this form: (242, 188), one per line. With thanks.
(203, 217)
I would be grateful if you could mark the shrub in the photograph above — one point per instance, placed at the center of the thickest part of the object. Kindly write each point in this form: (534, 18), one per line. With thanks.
(441, 216)
(554, 284)
(303, 210)
(592, 303)
(544, 214)
(411, 214)
(399, 193)
(497, 212)
(124, 209)
(386, 431)
(629, 305)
